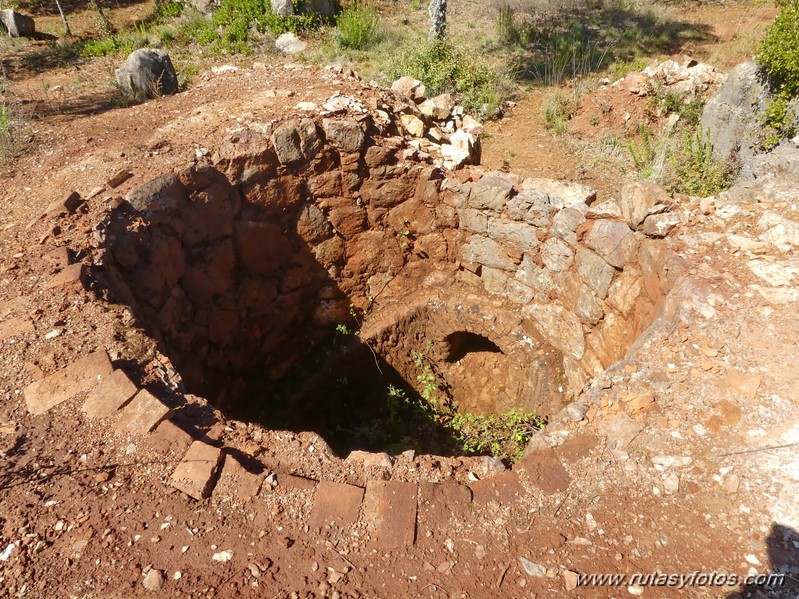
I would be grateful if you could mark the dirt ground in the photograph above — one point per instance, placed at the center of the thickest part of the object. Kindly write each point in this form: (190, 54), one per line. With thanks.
(85, 511)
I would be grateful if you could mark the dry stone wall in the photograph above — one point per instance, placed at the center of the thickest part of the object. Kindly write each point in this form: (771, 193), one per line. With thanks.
(238, 265)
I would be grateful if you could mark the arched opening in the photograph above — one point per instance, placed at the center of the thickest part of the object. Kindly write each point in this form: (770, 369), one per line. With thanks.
(462, 343)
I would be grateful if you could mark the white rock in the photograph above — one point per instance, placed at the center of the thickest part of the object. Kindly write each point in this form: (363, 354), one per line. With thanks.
(671, 484)
(153, 580)
(635, 590)
(752, 559)
(570, 580)
(222, 556)
(664, 462)
(532, 569)
(288, 43)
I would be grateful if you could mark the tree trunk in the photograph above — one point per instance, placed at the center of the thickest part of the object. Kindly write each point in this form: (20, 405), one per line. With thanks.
(67, 31)
(438, 19)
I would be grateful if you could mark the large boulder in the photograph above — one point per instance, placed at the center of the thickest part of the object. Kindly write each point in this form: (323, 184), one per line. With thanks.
(730, 116)
(17, 25)
(147, 73)
(282, 8)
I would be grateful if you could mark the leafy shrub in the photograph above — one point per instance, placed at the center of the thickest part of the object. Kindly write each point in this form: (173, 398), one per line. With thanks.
(357, 27)
(777, 120)
(234, 22)
(694, 170)
(503, 435)
(779, 51)
(444, 68)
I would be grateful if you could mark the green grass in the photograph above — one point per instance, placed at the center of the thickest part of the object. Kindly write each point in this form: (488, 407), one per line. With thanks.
(357, 27)
(117, 44)
(556, 111)
(694, 170)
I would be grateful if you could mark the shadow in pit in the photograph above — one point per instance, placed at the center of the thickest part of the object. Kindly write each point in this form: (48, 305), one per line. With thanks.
(782, 581)
(235, 286)
(352, 397)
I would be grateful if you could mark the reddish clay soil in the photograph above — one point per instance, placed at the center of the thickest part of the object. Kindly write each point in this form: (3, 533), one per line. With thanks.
(89, 511)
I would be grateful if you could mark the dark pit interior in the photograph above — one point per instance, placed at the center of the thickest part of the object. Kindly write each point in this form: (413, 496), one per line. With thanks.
(256, 298)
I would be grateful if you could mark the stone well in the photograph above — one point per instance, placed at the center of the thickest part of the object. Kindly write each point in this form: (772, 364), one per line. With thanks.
(243, 266)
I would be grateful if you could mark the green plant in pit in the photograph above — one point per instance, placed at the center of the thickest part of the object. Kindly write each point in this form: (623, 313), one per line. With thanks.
(426, 377)
(357, 27)
(504, 435)
(778, 54)
(694, 170)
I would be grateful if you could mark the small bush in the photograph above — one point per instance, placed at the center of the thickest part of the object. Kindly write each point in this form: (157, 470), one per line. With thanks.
(357, 27)
(777, 120)
(778, 54)
(235, 21)
(444, 68)
(694, 170)
(557, 109)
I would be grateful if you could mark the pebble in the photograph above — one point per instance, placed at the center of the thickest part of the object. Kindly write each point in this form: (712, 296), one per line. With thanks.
(671, 484)
(635, 590)
(533, 569)
(222, 556)
(570, 580)
(153, 580)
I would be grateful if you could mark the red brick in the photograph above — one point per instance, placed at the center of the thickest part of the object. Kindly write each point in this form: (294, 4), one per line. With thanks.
(110, 394)
(337, 504)
(67, 382)
(196, 472)
(439, 503)
(390, 513)
(143, 413)
(291, 481)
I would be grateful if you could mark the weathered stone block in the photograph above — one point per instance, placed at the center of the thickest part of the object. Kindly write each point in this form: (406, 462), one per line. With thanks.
(520, 236)
(487, 252)
(390, 513)
(336, 504)
(60, 386)
(637, 199)
(262, 247)
(556, 255)
(589, 307)
(609, 238)
(111, 393)
(492, 192)
(196, 472)
(344, 134)
(236, 482)
(163, 194)
(594, 271)
(143, 414)
(505, 489)
(559, 326)
(565, 224)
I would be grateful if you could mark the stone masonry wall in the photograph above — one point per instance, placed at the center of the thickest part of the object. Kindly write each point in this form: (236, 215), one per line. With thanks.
(236, 266)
